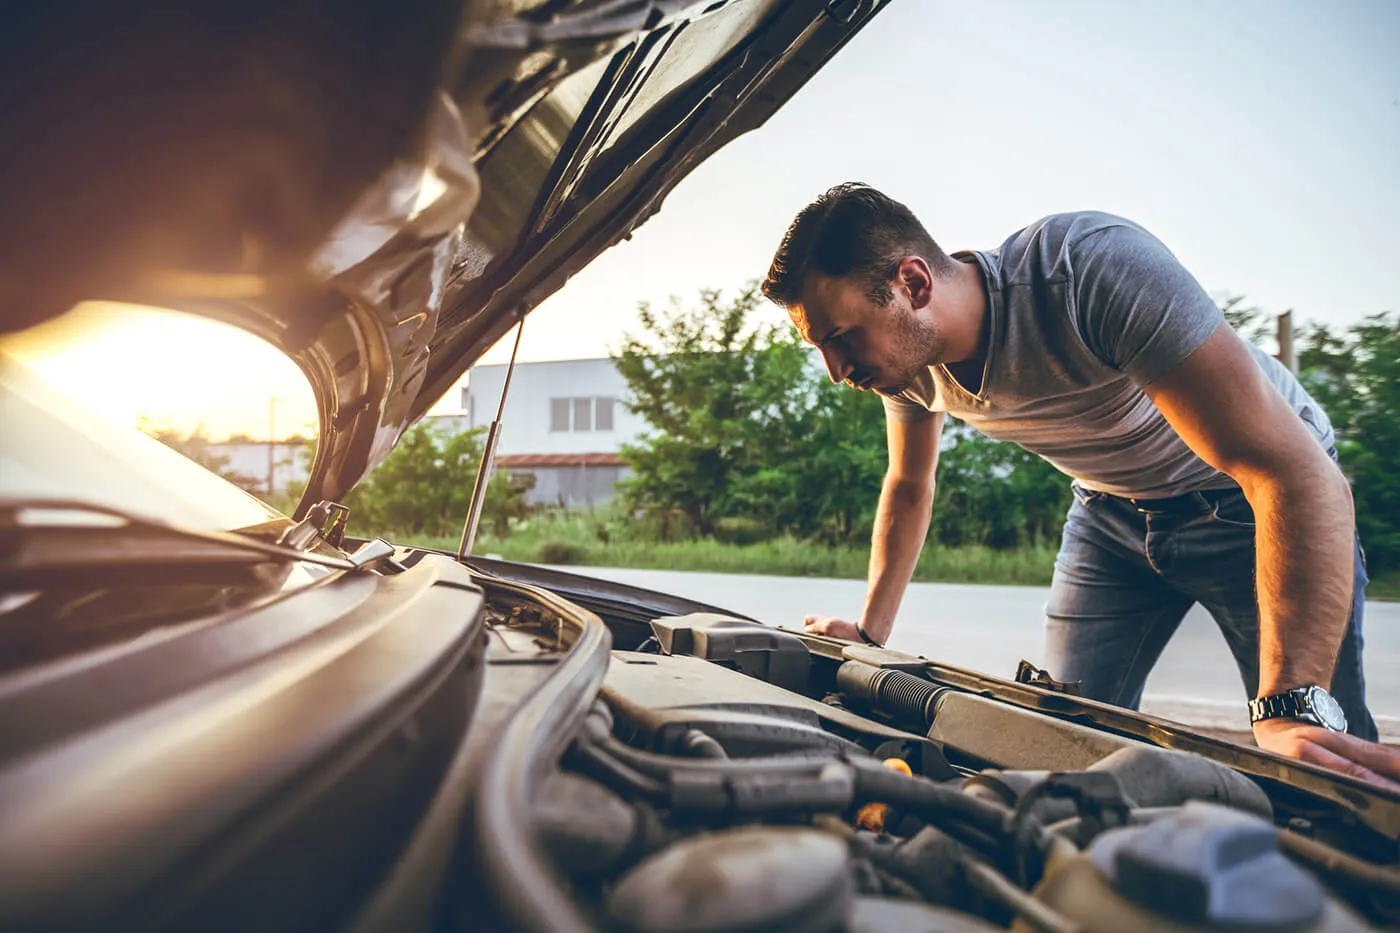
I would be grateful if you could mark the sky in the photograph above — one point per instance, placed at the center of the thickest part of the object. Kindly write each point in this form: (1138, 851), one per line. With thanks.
(1259, 140)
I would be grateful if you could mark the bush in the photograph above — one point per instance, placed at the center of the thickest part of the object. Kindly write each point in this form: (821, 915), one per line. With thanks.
(425, 486)
(740, 529)
(560, 552)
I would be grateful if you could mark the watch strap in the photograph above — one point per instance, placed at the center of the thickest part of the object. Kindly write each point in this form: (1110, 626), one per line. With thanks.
(1291, 704)
(865, 636)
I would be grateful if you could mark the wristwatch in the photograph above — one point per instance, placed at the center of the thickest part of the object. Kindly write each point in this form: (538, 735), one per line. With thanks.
(1310, 704)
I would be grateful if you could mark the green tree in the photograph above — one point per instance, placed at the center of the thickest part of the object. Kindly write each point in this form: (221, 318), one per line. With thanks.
(995, 494)
(1250, 322)
(749, 438)
(1355, 376)
(424, 487)
(720, 395)
(840, 459)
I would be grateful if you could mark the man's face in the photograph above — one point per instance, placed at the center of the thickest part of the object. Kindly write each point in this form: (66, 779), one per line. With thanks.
(863, 343)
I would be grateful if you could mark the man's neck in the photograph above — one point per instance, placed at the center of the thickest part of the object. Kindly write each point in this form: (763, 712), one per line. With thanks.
(964, 315)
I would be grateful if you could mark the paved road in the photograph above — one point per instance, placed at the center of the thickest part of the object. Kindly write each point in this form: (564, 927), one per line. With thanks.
(990, 628)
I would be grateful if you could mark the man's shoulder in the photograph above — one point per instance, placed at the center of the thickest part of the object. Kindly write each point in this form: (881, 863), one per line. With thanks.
(1045, 248)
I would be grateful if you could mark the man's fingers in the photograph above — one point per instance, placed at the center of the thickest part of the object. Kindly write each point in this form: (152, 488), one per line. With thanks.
(1382, 759)
(831, 627)
(1336, 751)
(1314, 752)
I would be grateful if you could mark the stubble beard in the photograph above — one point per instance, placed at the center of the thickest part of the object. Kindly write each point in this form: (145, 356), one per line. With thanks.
(918, 344)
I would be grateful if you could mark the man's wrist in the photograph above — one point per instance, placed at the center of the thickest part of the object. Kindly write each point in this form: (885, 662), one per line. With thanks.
(873, 633)
(867, 637)
(1310, 704)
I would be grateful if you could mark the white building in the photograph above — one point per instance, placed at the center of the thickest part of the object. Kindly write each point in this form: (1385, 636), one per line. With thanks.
(259, 463)
(564, 422)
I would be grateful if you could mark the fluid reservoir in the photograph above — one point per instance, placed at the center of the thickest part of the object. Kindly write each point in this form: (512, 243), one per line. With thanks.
(1205, 867)
(754, 879)
(883, 915)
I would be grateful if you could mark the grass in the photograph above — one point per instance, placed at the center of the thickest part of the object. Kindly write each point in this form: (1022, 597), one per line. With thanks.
(601, 539)
(605, 538)
(1385, 587)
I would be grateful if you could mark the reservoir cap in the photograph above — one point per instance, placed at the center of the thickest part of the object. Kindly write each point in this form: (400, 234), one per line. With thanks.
(1208, 864)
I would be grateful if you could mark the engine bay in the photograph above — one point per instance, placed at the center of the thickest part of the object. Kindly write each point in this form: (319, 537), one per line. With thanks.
(723, 776)
(497, 747)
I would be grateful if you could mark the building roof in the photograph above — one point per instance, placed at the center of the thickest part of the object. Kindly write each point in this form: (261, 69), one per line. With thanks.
(521, 461)
(521, 363)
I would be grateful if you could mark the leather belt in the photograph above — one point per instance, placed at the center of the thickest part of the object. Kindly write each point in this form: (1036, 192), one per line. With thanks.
(1188, 503)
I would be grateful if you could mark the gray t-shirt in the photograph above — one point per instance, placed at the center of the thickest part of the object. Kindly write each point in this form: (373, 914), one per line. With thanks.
(1085, 309)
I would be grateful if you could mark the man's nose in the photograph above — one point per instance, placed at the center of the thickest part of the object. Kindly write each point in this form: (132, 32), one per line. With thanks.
(837, 369)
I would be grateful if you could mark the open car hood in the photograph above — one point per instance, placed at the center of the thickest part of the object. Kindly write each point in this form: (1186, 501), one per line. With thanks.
(493, 159)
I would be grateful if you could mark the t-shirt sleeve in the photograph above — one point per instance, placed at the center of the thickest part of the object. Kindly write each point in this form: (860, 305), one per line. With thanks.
(904, 411)
(1139, 310)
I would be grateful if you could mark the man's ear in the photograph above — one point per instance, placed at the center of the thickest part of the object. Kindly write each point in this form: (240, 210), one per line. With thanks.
(916, 276)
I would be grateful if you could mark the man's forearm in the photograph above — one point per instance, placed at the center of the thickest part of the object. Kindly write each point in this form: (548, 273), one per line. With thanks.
(1304, 540)
(901, 522)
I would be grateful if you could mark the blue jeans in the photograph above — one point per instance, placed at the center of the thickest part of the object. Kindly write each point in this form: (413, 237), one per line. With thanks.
(1125, 576)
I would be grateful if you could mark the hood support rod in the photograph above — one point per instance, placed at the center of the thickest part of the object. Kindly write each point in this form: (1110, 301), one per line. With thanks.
(488, 459)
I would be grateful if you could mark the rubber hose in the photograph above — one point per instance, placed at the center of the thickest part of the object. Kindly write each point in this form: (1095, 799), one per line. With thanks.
(661, 766)
(1162, 777)
(927, 799)
(616, 775)
(700, 744)
(889, 690)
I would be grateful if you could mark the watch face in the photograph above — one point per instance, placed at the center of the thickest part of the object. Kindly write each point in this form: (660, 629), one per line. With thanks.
(1327, 709)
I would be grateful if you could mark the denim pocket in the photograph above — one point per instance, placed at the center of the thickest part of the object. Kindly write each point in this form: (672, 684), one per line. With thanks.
(1233, 510)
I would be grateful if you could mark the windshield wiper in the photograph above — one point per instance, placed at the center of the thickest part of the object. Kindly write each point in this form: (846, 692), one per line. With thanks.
(54, 538)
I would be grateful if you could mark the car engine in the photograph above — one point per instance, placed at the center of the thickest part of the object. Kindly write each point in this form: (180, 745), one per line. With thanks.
(720, 780)
(441, 746)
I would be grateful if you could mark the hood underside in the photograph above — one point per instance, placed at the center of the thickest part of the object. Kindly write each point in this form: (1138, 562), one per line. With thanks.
(382, 195)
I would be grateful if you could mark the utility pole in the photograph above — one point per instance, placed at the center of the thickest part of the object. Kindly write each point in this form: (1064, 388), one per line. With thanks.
(1286, 354)
(271, 439)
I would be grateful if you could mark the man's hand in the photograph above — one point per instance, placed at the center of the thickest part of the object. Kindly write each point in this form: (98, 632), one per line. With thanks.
(831, 626)
(1371, 762)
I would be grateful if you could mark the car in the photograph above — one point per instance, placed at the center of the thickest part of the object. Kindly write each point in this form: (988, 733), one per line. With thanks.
(218, 716)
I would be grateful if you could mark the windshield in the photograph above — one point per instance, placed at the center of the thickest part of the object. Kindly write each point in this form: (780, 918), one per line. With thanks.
(72, 406)
(55, 450)
(73, 392)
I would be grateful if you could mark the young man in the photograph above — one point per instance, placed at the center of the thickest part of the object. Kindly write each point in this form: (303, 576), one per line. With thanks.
(1202, 471)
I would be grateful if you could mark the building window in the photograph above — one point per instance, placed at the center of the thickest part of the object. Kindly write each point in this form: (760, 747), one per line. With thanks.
(602, 414)
(581, 414)
(559, 414)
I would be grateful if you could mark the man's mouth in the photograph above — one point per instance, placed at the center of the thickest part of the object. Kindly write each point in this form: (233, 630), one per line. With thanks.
(862, 383)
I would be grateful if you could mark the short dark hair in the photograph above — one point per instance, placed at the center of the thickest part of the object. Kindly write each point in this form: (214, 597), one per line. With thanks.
(850, 231)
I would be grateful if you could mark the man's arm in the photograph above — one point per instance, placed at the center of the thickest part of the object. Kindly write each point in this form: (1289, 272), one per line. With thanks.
(1222, 405)
(901, 522)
